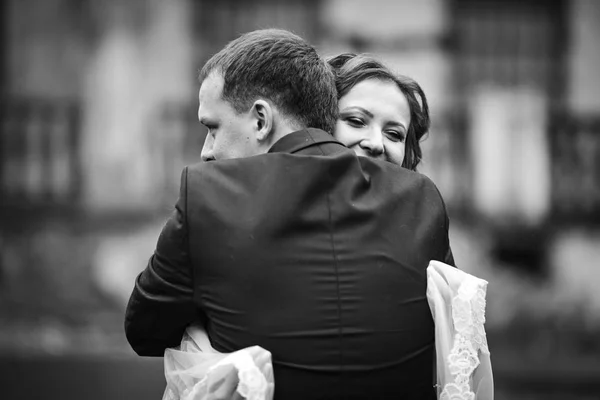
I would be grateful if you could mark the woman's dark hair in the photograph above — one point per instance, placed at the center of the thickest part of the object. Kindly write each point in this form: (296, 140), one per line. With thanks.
(351, 69)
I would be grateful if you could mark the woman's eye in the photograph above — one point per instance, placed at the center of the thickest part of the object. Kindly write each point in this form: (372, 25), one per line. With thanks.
(355, 121)
(395, 136)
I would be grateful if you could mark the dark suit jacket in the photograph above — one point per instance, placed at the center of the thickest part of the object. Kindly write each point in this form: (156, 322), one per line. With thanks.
(311, 252)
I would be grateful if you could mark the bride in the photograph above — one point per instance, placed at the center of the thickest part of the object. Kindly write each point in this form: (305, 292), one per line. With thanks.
(383, 116)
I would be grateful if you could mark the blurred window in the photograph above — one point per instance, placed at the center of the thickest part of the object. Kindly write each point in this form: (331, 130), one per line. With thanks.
(514, 44)
(220, 21)
(511, 43)
(39, 157)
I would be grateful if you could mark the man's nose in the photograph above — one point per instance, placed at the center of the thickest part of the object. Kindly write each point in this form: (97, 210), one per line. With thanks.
(373, 142)
(207, 149)
(206, 156)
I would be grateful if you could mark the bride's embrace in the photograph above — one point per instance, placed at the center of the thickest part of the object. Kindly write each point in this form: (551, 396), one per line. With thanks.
(298, 250)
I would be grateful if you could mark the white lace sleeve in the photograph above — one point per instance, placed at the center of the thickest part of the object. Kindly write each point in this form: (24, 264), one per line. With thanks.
(457, 303)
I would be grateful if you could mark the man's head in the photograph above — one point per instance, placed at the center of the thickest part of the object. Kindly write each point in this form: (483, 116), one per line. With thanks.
(259, 88)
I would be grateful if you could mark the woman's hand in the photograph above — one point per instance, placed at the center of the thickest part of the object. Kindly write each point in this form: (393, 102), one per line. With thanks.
(223, 382)
(262, 359)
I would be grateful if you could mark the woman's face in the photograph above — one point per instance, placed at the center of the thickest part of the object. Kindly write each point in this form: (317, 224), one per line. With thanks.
(374, 120)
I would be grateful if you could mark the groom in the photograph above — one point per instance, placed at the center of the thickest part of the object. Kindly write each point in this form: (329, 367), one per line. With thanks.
(287, 240)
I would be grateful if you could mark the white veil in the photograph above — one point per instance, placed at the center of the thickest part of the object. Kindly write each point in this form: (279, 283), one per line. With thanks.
(457, 303)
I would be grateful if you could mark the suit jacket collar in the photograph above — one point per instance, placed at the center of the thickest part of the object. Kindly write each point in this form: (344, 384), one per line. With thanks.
(299, 140)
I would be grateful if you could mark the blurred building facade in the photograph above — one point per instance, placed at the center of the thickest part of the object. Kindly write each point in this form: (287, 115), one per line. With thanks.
(99, 101)
(98, 109)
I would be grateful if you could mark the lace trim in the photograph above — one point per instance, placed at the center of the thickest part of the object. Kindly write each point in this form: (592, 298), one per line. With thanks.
(468, 316)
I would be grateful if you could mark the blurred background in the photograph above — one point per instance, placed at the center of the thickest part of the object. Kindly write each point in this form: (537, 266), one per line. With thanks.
(98, 116)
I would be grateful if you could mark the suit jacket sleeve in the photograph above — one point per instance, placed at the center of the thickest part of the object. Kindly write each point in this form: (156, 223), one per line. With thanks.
(448, 257)
(161, 304)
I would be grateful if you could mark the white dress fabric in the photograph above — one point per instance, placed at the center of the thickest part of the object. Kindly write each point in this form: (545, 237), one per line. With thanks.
(464, 370)
(193, 372)
(457, 303)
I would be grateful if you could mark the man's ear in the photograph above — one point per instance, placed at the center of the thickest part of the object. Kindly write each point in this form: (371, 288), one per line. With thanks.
(263, 115)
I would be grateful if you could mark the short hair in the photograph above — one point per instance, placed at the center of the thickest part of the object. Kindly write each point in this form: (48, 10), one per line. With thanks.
(351, 69)
(282, 67)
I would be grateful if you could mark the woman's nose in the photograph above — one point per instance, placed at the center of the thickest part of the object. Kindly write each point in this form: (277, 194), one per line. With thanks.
(373, 143)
